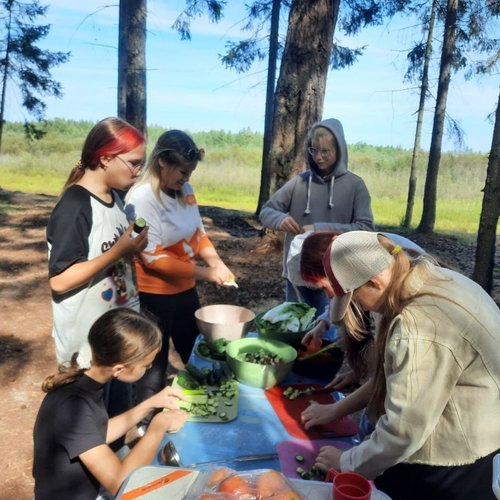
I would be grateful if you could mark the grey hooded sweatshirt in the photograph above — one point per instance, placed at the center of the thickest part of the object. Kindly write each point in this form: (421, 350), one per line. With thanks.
(337, 202)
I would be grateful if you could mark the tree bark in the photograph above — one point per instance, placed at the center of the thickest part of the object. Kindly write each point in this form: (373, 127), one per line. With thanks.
(122, 59)
(269, 112)
(132, 63)
(490, 211)
(424, 88)
(428, 219)
(300, 90)
(5, 75)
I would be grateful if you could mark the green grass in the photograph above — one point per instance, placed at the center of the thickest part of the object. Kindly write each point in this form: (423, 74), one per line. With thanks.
(230, 175)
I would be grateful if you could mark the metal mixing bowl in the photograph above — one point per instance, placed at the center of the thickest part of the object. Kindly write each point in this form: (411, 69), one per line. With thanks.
(224, 321)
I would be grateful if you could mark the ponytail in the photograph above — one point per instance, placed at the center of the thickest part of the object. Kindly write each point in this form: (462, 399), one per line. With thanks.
(75, 175)
(65, 376)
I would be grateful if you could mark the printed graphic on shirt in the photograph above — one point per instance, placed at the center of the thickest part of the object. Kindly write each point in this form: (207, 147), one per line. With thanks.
(107, 244)
(123, 276)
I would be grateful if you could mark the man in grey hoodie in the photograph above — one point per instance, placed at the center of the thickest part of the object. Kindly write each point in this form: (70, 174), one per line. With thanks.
(327, 197)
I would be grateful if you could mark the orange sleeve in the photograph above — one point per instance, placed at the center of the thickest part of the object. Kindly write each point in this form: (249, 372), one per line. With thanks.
(205, 242)
(170, 266)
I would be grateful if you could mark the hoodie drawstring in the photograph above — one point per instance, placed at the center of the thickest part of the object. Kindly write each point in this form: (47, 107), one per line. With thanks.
(307, 211)
(330, 196)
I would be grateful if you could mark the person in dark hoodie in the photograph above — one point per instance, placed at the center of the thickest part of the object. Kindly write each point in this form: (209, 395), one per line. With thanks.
(327, 197)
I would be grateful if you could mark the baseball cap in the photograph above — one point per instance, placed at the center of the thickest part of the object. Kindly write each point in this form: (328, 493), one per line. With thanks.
(352, 259)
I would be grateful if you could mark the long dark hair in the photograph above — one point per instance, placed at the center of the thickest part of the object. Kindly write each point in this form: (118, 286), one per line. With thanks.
(111, 136)
(120, 335)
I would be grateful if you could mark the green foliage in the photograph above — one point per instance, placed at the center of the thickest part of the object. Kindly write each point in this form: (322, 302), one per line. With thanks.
(196, 8)
(25, 63)
(229, 176)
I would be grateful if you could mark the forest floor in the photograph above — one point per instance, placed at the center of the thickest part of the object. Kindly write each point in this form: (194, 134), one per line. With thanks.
(26, 346)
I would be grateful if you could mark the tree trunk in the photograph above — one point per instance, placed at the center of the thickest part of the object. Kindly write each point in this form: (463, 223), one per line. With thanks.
(269, 113)
(122, 59)
(5, 75)
(412, 183)
(132, 63)
(428, 219)
(490, 211)
(301, 84)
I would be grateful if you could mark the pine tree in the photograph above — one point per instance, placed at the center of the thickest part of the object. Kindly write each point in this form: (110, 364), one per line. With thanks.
(25, 65)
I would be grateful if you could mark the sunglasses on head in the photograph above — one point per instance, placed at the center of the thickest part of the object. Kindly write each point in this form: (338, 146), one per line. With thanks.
(194, 154)
(190, 155)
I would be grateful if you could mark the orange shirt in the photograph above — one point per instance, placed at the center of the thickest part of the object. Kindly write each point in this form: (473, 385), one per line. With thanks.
(175, 238)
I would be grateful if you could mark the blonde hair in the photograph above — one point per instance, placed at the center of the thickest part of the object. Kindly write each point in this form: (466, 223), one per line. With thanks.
(321, 132)
(397, 297)
(176, 149)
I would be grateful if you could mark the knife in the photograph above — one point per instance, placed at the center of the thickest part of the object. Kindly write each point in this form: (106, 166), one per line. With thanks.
(241, 458)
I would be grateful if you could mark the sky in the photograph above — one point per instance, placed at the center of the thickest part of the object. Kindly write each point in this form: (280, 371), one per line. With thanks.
(189, 88)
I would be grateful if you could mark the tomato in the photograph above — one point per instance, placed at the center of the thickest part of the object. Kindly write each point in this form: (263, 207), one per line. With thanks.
(269, 483)
(235, 485)
(217, 476)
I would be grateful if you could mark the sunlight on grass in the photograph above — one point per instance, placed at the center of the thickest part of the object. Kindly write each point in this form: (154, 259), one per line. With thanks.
(230, 175)
(37, 184)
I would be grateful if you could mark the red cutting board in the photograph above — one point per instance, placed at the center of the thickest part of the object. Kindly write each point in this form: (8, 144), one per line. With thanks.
(289, 410)
(288, 450)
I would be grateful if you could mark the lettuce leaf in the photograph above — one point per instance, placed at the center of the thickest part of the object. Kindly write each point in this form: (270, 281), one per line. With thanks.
(288, 317)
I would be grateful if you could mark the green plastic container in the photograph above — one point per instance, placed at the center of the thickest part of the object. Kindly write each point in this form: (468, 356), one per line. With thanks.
(254, 374)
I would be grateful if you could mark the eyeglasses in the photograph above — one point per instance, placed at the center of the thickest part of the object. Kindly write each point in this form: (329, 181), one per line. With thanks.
(322, 152)
(134, 167)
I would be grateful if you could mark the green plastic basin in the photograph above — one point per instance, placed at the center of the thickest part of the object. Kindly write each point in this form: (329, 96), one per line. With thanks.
(258, 375)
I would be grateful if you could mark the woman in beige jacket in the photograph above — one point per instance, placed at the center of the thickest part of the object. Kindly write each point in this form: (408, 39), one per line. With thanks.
(436, 393)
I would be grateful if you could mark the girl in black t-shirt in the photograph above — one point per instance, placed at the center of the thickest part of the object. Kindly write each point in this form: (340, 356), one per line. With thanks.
(72, 457)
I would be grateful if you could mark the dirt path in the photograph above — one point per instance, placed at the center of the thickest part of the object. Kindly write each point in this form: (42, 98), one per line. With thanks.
(26, 348)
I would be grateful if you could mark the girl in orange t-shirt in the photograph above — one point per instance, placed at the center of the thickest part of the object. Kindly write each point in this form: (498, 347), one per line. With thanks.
(167, 270)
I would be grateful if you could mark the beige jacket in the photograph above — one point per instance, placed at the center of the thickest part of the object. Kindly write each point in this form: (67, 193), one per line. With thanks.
(442, 365)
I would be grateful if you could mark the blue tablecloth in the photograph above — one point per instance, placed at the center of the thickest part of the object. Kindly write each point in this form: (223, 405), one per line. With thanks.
(256, 430)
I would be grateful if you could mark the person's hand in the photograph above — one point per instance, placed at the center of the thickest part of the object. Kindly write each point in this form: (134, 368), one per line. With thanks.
(343, 380)
(126, 245)
(219, 274)
(318, 414)
(169, 421)
(290, 225)
(167, 398)
(312, 339)
(328, 458)
(228, 275)
(177, 420)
